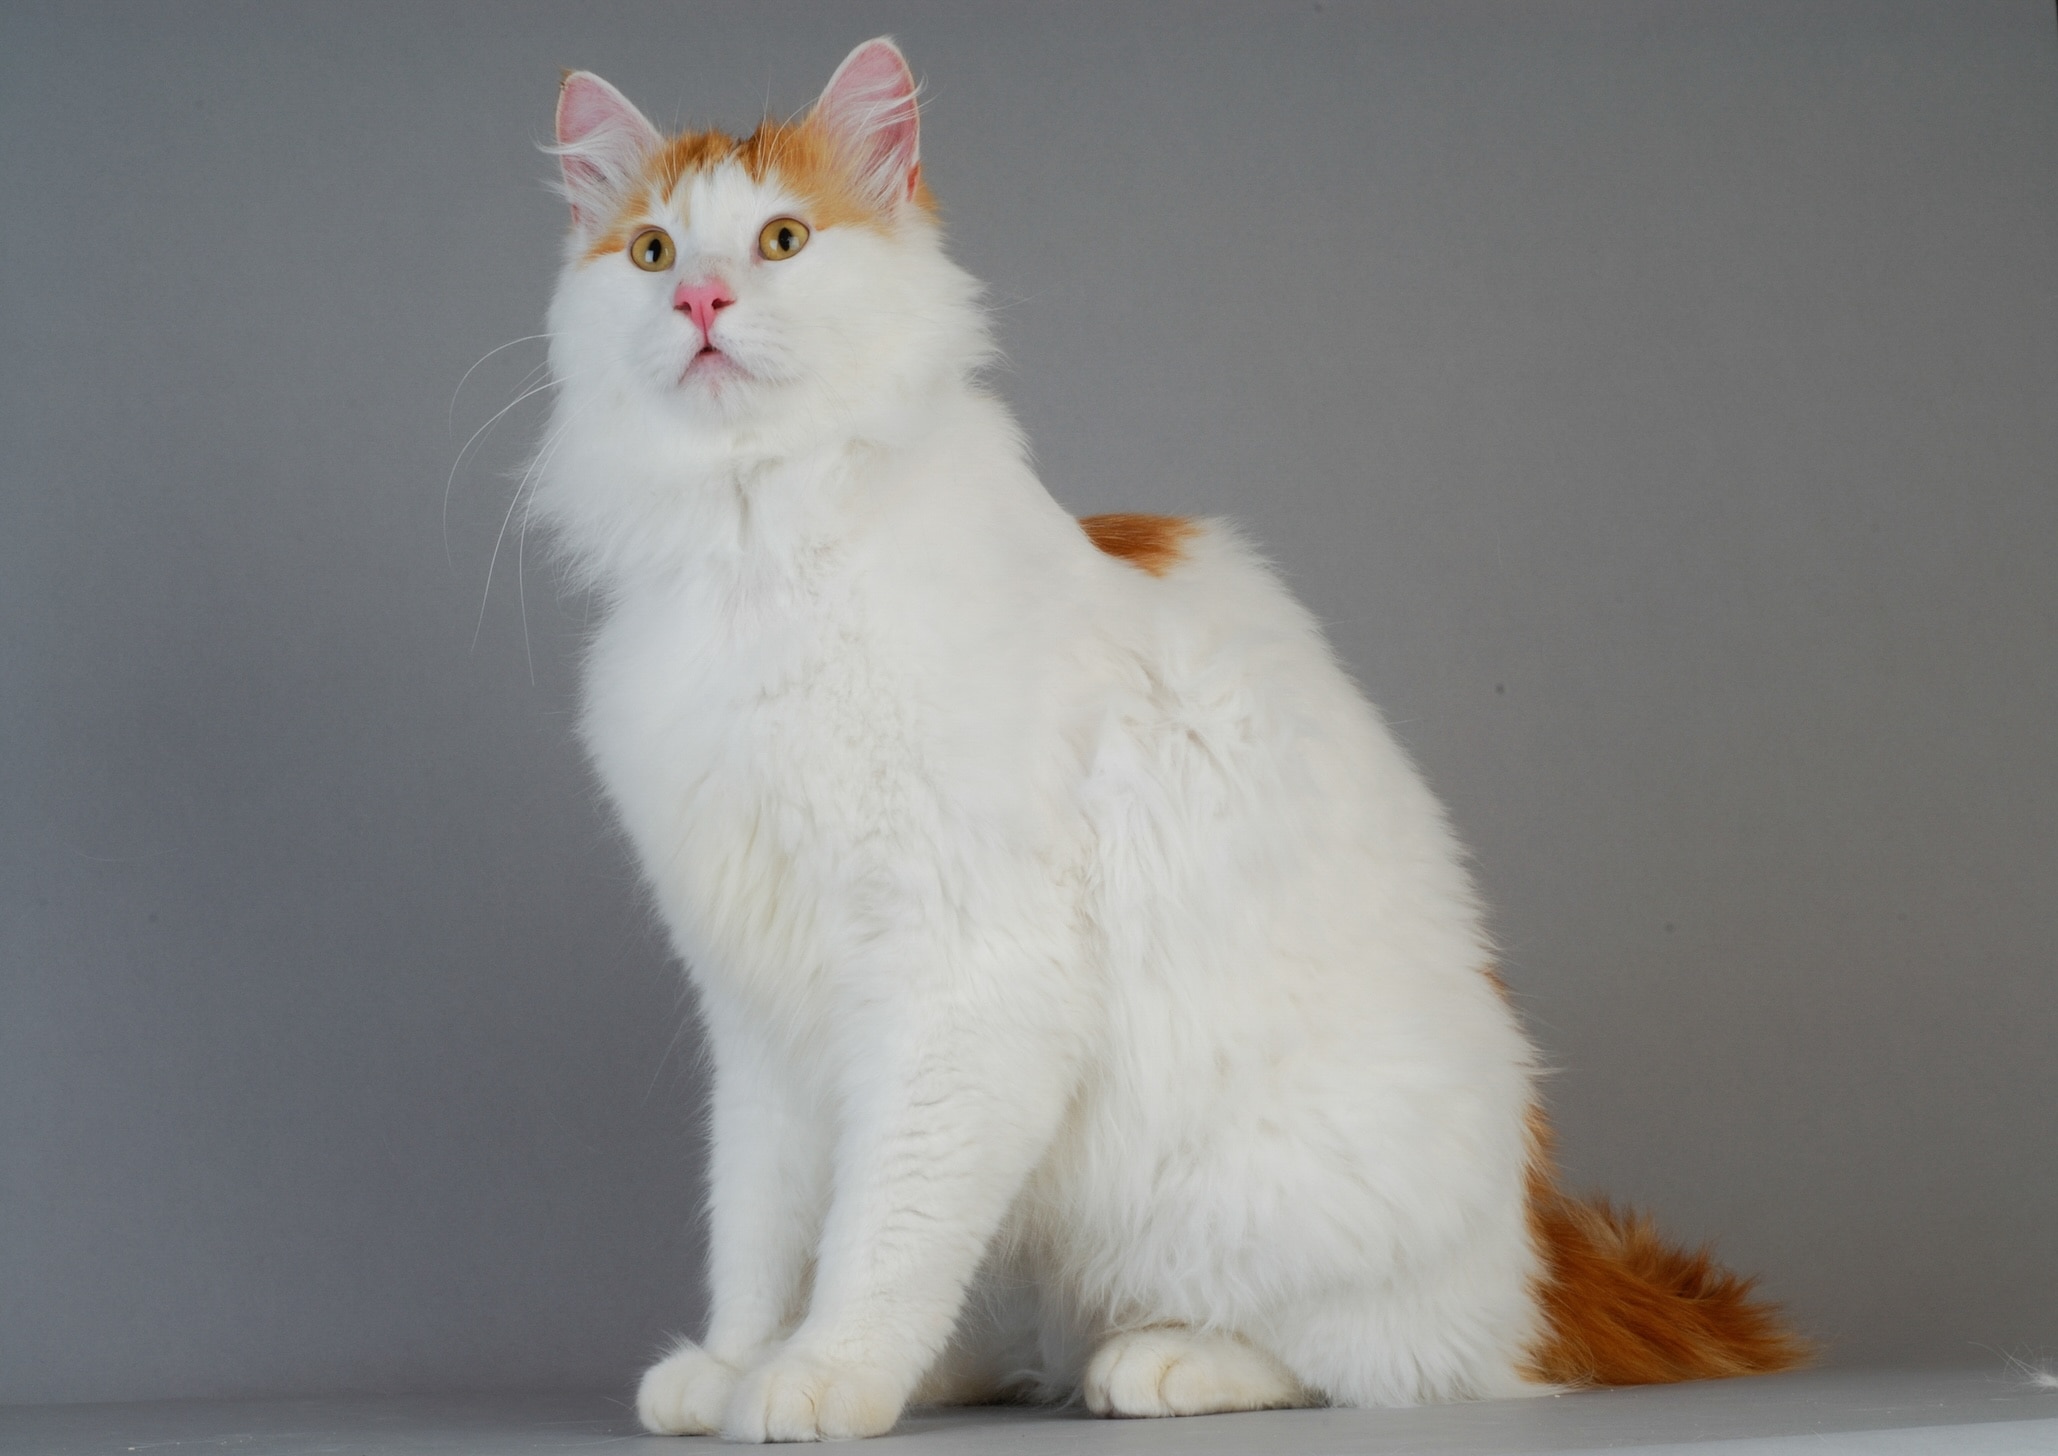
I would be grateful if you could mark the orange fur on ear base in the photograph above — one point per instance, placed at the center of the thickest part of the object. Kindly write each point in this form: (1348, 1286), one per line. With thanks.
(1623, 1307)
(1154, 544)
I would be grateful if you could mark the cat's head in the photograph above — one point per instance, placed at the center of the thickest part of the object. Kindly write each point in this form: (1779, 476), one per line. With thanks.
(790, 278)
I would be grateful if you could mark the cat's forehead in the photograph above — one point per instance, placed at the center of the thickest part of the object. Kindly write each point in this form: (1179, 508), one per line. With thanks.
(724, 199)
(704, 176)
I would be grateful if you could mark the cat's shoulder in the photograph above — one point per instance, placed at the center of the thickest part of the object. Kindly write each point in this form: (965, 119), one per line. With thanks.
(1199, 563)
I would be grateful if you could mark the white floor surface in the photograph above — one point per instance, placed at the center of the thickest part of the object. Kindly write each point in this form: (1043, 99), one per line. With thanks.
(1827, 1413)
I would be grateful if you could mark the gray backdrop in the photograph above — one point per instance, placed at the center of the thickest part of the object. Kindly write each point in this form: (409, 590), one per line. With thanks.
(1656, 399)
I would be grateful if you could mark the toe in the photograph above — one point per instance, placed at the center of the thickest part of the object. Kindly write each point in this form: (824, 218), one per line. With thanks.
(800, 1398)
(685, 1393)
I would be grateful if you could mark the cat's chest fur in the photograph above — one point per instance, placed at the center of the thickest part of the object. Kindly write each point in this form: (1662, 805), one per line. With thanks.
(809, 725)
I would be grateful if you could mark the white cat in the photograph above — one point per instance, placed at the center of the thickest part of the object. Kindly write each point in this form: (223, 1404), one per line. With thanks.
(1098, 1000)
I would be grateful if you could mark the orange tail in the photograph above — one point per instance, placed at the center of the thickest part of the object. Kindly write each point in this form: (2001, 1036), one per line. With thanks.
(1623, 1307)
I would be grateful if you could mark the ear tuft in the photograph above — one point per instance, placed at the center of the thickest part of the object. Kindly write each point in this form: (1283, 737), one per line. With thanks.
(602, 141)
(869, 110)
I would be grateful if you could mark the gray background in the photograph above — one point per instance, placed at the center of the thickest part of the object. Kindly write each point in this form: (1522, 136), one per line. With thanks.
(1656, 399)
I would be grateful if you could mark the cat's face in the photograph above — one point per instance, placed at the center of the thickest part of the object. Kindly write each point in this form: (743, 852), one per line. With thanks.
(740, 281)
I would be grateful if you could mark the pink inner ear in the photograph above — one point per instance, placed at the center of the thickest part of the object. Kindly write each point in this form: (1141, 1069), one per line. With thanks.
(870, 104)
(600, 134)
(586, 104)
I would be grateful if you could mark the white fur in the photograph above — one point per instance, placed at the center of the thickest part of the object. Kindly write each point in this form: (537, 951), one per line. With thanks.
(1085, 967)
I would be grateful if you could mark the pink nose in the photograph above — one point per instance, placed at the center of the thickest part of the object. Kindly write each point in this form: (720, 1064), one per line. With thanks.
(701, 301)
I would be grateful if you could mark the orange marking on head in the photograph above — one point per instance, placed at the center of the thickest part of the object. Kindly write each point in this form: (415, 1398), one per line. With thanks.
(693, 151)
(1623, 1307)
(1154, 544)
(805, 160)
(802, 155)
(617, 236)
(809, 159)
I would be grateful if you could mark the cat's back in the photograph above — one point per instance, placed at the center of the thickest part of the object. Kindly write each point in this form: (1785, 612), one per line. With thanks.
(1266, 846)
(1232, 681)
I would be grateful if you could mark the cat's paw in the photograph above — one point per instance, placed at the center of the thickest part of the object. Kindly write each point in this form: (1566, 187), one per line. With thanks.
(685, 1393)
(800, 1397)
(1173, 1371)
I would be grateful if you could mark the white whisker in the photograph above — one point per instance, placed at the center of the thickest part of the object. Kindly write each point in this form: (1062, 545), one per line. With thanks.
(487, 595)
(455, 465)
(522, 594)
(529, 475)
(524, 339)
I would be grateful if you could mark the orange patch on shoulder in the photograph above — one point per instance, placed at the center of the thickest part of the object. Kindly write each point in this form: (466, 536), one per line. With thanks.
(1155, 544)
(1623, 1307)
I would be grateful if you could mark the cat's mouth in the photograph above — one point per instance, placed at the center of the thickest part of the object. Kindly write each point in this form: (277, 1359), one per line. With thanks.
(709, 364)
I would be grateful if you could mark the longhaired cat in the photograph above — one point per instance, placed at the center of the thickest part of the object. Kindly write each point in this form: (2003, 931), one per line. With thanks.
(1098, 1003)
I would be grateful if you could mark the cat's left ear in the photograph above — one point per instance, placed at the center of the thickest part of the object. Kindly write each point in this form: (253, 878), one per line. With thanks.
(602, 141)
(869, 109)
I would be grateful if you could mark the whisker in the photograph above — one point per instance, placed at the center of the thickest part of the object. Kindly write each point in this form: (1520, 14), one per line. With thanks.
(522, 594)
(534, 376)
(535, 466)
(487, 595)
(524, 339)
(531, 474)
(457, 464)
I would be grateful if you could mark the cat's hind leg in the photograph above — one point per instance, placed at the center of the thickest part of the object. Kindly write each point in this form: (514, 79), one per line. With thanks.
(1172, 1370)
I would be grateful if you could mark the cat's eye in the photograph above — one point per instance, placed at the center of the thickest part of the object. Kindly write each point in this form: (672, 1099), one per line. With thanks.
(652, 250)
(782, 238)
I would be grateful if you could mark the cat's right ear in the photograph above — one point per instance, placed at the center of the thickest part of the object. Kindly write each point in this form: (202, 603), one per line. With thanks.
(602, 142)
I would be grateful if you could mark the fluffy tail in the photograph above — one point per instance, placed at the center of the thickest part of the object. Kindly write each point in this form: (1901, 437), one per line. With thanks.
(1623, 1307)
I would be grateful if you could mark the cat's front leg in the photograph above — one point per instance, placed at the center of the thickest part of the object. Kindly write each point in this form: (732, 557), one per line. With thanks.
(951, 1101)
(768, 1180)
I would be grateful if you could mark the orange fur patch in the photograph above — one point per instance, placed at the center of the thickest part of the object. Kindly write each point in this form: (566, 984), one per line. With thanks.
(1623, 1307)
(804, 156)
(807, 159)
(1155, 544)
(692, 151)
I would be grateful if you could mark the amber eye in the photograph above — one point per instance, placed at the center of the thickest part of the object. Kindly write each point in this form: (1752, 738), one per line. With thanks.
(782, 238)
(652, 250)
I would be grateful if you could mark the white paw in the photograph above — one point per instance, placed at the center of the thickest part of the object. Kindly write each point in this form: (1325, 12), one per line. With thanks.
(1173, 1371)
(798, 1397)
(685, 1393)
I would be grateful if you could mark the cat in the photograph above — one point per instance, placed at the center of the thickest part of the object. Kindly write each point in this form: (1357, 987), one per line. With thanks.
(1098, 1001)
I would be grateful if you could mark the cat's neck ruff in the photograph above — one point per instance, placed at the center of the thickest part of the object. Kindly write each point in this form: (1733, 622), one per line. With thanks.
(641, 493)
